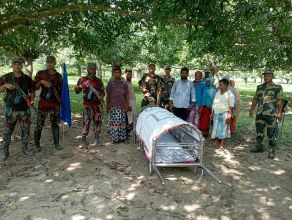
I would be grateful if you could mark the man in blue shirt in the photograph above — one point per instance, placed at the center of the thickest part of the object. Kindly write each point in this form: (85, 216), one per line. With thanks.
(183, 95)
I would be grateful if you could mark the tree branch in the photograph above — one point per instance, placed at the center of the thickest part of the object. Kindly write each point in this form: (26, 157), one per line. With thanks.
(15, 19)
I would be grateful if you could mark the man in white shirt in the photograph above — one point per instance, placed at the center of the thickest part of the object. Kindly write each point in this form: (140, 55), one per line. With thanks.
(183, 95)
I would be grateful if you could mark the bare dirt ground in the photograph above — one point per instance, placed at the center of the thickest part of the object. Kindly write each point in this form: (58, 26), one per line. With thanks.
(113, 182)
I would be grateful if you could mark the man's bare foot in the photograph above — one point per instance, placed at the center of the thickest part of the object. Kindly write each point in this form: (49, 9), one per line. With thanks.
(221, 148)
(216, 142)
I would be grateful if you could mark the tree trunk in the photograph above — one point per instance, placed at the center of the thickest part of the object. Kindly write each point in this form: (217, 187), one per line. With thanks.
(29, 67)
(245, 80)
(79, 70)
(99, 70)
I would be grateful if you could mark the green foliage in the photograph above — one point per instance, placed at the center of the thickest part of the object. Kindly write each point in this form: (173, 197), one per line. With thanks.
(222, 34)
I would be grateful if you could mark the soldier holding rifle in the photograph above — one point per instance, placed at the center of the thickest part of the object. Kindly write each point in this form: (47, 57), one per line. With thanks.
(19, 89)
(93, 92)
(50, 82)
(269, 99)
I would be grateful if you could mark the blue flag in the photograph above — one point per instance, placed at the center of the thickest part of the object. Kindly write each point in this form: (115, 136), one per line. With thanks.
(65, 108)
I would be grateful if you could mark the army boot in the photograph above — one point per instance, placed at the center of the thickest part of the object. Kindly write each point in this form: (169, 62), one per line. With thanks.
(4, 153)
(56, 138)
(259, 148)
(25, 150)
(271, 154)
(97, 141)
(37, 137)
(84, 144)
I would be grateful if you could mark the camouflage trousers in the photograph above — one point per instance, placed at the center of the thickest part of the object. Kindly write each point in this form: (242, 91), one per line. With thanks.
(42, 115)
(93, 113)
(263, 121)
(11, 118)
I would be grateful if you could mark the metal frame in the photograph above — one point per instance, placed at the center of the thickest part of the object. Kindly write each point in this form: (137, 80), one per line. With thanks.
(198, 161)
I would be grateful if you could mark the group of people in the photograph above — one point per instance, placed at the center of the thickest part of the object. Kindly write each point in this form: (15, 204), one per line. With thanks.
(194, 101)
(20, 93)
(203, 104)
(198, 102)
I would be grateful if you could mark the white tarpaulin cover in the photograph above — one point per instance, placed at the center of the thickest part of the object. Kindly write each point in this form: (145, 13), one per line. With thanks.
(154, 123)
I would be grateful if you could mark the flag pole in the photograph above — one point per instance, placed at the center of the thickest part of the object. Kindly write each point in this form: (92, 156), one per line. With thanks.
(63, 134)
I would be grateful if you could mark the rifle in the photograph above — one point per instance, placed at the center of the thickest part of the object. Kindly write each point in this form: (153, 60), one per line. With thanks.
(92, 90)
(27, 99)
(53, 90)
(56, 94)
(279, 126)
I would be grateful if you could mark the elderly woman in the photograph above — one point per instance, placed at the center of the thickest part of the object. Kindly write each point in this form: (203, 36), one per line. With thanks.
(117, 101)
(207, 101)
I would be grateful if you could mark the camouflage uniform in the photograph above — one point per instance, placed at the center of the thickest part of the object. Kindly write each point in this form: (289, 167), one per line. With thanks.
(168, 83)
(92, 106)
(268, 96)
(48, 105)
(16, 109)
(154, 85)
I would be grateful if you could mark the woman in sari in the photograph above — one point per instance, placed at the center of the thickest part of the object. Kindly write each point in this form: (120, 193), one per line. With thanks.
(207, 101)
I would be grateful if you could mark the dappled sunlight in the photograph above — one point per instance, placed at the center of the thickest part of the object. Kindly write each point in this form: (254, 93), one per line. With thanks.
(24, 198)
(196, 188)
(108, 217)
(266, 201)
(226, 170)
(191, 208)
(254, 168)
(74, 166)
(78, 217)
(168, 208)
(78, 137)
(49, 181)
(279, 172)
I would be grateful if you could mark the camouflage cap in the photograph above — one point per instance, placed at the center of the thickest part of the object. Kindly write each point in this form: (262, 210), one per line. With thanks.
(17, 59)
(268, 71)
(91, 65)
(151, 64)
(51, 59)
(206, 70)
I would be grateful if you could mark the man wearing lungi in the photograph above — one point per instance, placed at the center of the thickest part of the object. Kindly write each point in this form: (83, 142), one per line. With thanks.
(151, 86)
(117, 105)
(183, 95)
(222, 113)
(269, 99)
(195, 113)
(93, 93)
(132, 102)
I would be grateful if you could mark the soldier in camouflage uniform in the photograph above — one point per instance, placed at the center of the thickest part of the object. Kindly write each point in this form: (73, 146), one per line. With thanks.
(168, 82)
(50, 82)
(151, 86)
(19, 96)
(268, 97)
(93, 93)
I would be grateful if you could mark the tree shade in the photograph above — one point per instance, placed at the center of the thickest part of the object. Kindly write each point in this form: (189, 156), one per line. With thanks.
(238, 34)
